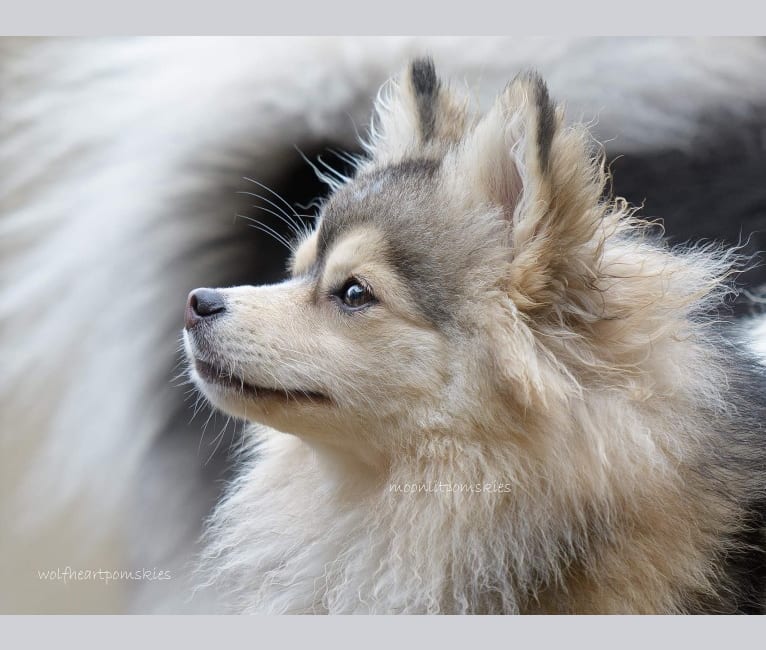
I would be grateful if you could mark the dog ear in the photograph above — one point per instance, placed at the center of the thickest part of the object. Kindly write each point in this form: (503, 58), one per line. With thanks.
(415, 115)
(521, 158)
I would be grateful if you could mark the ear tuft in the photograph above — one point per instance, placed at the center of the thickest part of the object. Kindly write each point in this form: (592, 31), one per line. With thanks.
(528, 98)
(546, 119)
(425, 85)
(415, 116)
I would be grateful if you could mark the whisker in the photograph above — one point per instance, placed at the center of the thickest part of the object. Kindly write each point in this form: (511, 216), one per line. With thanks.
(259, 225)
(283, 216)
(219, 438)
(299, 232)
(268, 189)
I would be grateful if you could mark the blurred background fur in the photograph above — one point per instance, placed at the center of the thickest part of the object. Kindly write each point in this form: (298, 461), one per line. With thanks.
(123, 169)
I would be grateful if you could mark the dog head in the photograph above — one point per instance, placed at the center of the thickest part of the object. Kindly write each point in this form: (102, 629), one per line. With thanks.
(467, 280)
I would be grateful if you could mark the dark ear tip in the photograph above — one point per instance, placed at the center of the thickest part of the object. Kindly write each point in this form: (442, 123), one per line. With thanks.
(543, 96)
(546, 112)
(531, 77)
(423, 75)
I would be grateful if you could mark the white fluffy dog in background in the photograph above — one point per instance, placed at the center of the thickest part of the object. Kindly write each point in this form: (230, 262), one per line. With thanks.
(120, 167)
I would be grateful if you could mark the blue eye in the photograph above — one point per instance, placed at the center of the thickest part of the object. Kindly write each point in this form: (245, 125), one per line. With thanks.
(355, 294)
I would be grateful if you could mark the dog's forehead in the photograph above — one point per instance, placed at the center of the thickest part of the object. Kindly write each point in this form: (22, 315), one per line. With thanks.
(400, 202)
(391, 199)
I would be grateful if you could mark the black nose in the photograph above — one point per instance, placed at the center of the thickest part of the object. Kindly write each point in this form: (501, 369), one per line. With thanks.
(203, 304)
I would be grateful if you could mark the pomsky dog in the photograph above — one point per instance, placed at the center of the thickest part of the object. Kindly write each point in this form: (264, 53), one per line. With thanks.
(487, 387)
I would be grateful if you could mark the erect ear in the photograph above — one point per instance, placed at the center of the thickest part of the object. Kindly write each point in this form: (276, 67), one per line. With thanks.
(522, 159)
(415, 115)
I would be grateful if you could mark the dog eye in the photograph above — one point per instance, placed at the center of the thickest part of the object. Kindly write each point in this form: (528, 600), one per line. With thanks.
(356, 294)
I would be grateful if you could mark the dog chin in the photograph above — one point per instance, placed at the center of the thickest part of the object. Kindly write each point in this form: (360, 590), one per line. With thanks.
(226, 397)
(222, 398)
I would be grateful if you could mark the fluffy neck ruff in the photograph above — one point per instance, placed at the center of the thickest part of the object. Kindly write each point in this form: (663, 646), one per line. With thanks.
(587, 521)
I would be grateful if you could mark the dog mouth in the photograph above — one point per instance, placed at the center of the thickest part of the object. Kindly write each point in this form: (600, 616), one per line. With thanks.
(213, 374)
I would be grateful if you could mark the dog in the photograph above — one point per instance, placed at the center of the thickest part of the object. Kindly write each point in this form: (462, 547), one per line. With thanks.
(486, 387)
(124, 163)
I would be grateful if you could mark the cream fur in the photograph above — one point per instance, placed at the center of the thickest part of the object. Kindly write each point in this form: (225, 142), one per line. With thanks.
(563, 375)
